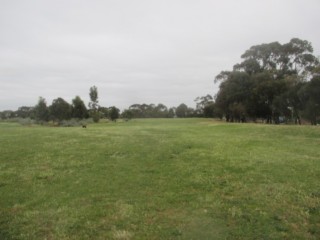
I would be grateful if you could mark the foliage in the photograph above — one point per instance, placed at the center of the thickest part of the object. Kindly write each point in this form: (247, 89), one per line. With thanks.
(60, 110)
(266, 84)
(25, 112)
(310, 94)
(204, 102)
(22, 121)
(274, 82)
(75, 122)
(160, 111)
(94, 104)
(26, 121)
(127, 114)
(114, 113)
(79, 109)
(182, 111)
(41, 110)
(95, 115)
(104, 112)
(172, 112)
(148, 111)
(7, 114)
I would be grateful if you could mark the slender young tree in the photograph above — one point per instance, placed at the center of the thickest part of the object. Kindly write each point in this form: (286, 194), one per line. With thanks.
(94, 104)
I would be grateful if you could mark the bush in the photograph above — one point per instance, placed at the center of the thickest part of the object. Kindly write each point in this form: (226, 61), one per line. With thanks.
(75, 122)
(26, 121)
(96, 117)
(22, 121)
(69, 123)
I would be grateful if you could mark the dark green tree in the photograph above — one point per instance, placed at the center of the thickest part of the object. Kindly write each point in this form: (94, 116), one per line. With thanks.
(114, 113)
(25, 112)
(60, 110)
(182, 111)
(137, 111)
(149, 111)
(104, 112)
(289, 103)
(234, 89)
(127, 114)
(209, 110)
(310, 94)
(79, 109)
(160, 111)
(294, 57)
(7, 114)
(41, 110)
(171, 112)
(202, 103)
(265, 84)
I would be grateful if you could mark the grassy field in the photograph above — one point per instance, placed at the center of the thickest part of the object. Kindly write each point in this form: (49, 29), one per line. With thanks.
(160, 179)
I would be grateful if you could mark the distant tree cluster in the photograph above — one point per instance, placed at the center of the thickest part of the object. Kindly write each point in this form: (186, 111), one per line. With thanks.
(275, 82)
(204, 109)
(61, 110)
(148, 111)
(22, 112)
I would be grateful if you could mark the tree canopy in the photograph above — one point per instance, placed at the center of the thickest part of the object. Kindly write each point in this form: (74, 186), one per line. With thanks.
(79, 109)
(269, 82)
(60, 110)
(41, 110)
(114, 113)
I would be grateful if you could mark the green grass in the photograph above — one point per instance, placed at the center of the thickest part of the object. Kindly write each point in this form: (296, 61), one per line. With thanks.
(160, 179)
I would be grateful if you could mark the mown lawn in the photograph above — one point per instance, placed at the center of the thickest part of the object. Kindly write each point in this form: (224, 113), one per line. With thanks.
(160, 179)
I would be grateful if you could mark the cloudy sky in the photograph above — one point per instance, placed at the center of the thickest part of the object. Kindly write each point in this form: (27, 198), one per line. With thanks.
(136, 51)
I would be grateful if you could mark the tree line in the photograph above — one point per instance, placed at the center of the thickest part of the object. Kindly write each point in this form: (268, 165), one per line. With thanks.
(161, 111)
(274, 82)
(61, 110)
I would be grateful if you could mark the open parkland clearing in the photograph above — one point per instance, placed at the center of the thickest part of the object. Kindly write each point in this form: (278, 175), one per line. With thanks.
(160, 179)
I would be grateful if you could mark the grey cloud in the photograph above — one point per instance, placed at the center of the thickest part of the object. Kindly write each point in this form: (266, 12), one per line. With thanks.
(136, 51)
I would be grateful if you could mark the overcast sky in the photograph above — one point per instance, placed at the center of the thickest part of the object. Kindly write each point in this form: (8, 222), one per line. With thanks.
(136, 51)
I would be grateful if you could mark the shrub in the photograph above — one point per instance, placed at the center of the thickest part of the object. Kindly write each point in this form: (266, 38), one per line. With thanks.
(75, 122)
(26, 121)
